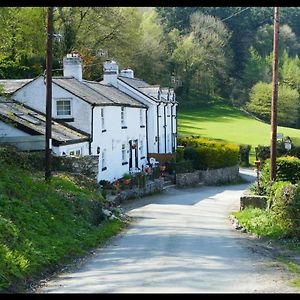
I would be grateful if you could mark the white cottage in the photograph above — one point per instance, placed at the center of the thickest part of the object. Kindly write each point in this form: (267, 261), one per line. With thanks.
(161, 104)
(25, 128)
(114, 121)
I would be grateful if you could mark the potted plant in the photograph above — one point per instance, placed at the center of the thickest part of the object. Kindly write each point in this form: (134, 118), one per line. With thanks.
(126, 178)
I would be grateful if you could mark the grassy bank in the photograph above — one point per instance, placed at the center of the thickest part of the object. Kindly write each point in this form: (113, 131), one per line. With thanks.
(43, 226)
(229, 124)
(265, 223)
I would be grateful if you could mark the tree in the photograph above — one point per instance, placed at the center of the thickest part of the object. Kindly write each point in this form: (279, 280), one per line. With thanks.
(288, 103)
(151, 60)
(201, 57)
(22, 36)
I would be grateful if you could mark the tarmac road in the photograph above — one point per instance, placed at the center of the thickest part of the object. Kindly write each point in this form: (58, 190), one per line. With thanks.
(181, 241)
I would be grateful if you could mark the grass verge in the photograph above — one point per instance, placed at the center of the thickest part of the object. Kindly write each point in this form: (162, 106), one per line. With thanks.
(229, 124)
(43, 226)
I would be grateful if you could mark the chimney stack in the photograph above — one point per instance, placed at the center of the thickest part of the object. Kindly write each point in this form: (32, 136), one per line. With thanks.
(73, 66)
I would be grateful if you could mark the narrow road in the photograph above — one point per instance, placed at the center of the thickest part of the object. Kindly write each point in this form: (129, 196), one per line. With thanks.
(180, 242)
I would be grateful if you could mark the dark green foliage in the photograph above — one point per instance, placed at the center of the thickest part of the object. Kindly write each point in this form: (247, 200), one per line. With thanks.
(179, 154)
(244, 155)
(185, 167)
(287, 169)
(209, 154)
(285, 203)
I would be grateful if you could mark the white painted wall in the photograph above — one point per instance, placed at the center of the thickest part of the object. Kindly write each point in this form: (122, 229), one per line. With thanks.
(34, 95)
(152, 114)
(10, 131)
(7, 130)
(111, 140)
(83, 147)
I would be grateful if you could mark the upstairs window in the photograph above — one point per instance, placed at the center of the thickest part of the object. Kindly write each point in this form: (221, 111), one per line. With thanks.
(63, 108)
(102, 119)
(123, 117)
(141, 117)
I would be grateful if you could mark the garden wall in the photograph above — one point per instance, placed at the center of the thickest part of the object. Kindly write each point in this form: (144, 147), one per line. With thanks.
(151, 187)
(208, 177)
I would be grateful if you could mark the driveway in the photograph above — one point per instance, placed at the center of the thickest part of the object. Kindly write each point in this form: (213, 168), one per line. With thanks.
(181, 241)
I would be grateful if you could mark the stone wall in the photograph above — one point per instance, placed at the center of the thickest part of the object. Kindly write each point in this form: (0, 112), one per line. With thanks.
(223, 175)
(150, 188)
(188, 179)
(253, 201)
(208, 177)
(87, 165)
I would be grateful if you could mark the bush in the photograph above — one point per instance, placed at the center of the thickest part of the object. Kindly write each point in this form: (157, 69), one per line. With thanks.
(244, 155)
(209, 154)
(285, 203)
(287, 169)
(184, 167)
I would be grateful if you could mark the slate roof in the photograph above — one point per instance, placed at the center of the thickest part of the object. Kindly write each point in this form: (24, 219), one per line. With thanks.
(149, 90)
(113, 94)
(34, 123)
(12, 85)
(96, 93)
(81, 90)
(135, 82)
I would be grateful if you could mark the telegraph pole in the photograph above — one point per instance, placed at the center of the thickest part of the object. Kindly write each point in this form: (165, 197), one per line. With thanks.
(274, 98)
(48, 141)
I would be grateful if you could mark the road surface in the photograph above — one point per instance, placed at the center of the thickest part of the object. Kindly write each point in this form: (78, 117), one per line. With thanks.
(181, 241)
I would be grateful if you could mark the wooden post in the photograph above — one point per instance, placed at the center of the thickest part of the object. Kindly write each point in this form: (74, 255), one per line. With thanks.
(48, 140)
(274, 98)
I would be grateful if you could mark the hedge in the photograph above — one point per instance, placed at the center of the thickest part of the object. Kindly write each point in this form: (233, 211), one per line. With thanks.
(287, 169)
(209, 154)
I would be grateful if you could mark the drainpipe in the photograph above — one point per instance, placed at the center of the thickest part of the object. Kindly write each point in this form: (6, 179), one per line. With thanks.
(172, 133)
(165, 127)
(147, 141)
(92, 130)
(157, 127)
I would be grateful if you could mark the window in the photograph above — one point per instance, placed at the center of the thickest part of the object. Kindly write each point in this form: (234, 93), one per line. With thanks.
(102, 119)
(63, 108)
(103, 160)
(141, 117)
(76, 152)
(142, 149)
(124, 156)
(123, 123)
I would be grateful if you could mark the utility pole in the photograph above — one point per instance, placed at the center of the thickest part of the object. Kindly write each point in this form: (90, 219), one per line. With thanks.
(274, 98)
(48, 141)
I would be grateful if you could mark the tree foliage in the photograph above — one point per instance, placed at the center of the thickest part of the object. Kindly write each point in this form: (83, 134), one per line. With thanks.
(288, 103)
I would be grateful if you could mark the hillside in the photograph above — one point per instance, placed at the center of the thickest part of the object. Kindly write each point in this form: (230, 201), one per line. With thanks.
(229, 124)
(43, 226)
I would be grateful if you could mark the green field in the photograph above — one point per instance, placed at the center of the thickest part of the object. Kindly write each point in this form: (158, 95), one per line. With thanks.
(229, 124)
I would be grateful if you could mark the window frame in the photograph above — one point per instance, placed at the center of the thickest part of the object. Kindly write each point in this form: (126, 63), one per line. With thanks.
(63, 116)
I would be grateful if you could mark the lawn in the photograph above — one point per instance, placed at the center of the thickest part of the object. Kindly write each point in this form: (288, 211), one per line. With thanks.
(229, 124)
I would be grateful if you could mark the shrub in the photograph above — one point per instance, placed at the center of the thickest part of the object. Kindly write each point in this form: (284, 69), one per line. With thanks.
(179, 154)
(184, 167)
(285, 203)
(287, 169)
(244, 155)
(209, 154)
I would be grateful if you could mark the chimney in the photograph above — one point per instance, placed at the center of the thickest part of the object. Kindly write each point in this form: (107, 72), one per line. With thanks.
(73, 66)
(110, 72)
(127, 73)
